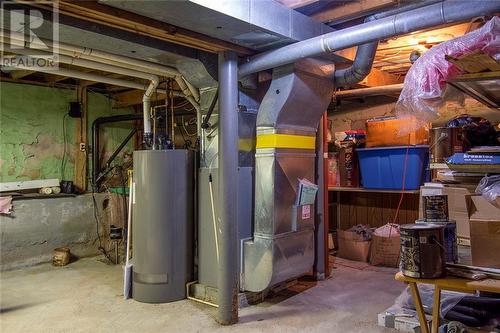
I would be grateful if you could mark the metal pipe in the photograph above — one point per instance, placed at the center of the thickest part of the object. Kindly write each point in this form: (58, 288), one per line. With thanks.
(228, 177)
(96, 166)
(365, 54)
(361, 67)
(120, 147)
(211, 108)
(154, 80)
(372, 91)
(449, 11)
(112, 59)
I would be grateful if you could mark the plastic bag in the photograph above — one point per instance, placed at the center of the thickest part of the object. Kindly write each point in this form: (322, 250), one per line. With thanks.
(489, 188)
(422, 93)
(405, 301)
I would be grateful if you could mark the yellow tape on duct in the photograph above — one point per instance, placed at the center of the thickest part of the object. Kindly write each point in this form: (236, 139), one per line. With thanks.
(286, 141)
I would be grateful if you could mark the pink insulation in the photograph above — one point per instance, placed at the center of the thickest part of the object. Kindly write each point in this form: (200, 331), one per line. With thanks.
(424, 85)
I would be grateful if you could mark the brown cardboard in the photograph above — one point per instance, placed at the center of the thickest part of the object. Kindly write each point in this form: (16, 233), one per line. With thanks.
(484, 232)
(385, 251)
(457, 206)
(352, 246)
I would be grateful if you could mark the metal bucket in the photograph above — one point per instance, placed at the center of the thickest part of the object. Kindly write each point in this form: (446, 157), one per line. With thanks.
(444, 142)
(422, 255)
(450, 239)
(435, 208)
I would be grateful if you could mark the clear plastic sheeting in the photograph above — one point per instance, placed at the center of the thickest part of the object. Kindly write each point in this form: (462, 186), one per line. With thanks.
(489, 188)
(424, 90)
(404, 301)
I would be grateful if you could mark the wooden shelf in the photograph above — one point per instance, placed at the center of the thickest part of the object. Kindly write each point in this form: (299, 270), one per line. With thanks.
(367, 190)
(437, 166)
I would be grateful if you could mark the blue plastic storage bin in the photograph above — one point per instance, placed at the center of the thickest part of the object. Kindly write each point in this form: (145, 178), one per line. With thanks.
(382, 167)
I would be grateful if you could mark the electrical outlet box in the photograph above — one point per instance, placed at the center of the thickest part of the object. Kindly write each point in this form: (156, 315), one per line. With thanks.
(83, 146)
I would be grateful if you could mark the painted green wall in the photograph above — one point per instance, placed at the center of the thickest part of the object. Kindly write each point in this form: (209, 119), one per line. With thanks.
(31, 130)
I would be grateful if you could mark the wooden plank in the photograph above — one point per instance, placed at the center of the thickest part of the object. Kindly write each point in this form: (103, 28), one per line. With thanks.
(360, 208)
(380, 78)
(477, 76)
(19, 74)
(118, 18)
(133, 97)
(80, 180)
(455, 284)
(28, 184)
(474, 62)
(351, 10)
(360, 189)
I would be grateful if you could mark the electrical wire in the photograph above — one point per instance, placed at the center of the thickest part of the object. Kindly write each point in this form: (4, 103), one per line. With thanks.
(63, 160)
(97, 222)
(404, 182)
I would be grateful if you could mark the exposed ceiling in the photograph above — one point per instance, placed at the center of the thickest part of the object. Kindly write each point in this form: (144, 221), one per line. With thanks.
(148, 33)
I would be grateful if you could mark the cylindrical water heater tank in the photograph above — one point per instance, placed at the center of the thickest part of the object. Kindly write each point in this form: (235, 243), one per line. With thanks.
(162, 235)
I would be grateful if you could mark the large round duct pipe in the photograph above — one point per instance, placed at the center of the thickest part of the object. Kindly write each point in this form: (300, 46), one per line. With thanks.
(446, 12)
(365, 54)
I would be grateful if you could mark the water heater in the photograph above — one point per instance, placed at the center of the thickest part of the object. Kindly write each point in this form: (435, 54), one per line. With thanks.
(162, 238)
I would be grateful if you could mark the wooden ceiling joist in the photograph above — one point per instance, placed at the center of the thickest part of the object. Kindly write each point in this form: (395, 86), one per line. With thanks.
(133, 97)
(121, 19)
(19, 74)
(352, 10)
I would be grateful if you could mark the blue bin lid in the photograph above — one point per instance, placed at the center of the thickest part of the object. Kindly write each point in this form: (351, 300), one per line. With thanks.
(394, 147)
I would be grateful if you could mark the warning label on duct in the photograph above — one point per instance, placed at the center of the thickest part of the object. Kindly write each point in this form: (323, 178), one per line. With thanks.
(306, 212)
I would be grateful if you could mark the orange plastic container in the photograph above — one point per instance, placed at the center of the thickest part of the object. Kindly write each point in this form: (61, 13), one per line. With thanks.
(385, 132)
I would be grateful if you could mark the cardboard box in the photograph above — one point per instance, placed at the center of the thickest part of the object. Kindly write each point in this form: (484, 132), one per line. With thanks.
(484, 232)
(385, 251)
(457, 205)
(385, 132)
(352, 246)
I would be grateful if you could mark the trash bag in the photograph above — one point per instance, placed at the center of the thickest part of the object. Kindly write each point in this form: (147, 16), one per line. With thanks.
(477, 130)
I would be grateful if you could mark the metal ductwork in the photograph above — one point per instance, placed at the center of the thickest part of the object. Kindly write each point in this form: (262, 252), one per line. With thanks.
(445, 12)
(283, 242)
(365, 54)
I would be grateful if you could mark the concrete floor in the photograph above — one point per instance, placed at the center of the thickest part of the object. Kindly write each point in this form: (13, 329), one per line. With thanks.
(86, 296)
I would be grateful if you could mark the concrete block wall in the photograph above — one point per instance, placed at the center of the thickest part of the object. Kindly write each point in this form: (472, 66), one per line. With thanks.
(37, 226)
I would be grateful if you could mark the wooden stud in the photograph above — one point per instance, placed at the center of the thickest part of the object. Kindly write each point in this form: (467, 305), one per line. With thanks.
(80, 180)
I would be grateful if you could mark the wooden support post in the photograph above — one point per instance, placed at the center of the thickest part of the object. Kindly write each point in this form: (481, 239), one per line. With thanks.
(80, 180)
(424, 328)
(436, 309)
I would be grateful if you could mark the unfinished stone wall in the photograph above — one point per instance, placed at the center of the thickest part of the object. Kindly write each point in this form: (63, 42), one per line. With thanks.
(31, 131)
(32, 146)
(353, 115)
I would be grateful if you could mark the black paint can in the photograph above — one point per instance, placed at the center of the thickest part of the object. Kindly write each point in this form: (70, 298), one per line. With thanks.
(450, 239)
(422, 253)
